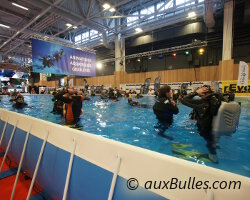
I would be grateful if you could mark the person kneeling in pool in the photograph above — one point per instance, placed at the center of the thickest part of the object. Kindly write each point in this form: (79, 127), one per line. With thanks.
(135, 103)
(164, 110)
(19, 102)
(73, 106)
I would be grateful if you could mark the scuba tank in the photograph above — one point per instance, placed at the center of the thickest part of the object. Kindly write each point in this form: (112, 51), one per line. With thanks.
(227, 119)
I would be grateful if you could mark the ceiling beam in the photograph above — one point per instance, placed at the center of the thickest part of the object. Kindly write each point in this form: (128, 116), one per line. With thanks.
(113, 6)
(13, 13)
(79, 20)
(89, 8)
(6, 36)
(43, 12)
(37, 27)
(80, 8)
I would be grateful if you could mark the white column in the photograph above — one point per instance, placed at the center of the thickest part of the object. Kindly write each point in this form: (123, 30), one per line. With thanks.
(123, 53)
(227, 31)
(118, 52)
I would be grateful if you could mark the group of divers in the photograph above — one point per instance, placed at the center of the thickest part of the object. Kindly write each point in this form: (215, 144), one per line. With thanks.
(204, 101)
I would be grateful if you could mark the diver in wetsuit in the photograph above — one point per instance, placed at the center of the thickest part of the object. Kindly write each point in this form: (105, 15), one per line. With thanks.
(19, 102)
(136, 103)
(58, 103)
(164, 110)
(58, 55)
(73, 106)
(14, 96)
(205, 103)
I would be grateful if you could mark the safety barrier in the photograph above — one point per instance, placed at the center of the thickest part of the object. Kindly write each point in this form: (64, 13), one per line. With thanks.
(71, 164)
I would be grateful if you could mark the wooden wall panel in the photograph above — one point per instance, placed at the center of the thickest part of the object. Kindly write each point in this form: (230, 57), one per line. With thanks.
(46, 83)
(131, 78)
(79, 81)
(100, 80)
(229, 71)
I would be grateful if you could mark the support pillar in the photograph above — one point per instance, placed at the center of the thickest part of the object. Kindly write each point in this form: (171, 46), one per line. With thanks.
(119, 62)
(227, 31)
(119, 52)
(227, 63)
(123, 54)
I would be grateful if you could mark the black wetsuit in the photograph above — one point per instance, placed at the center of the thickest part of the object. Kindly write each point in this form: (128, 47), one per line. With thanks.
(58, 103)
(104, 96)
(205, 109)
(76, 106)
(136, 103)
(19, 105)
(228, 97)
(132, 103)
(164, 111)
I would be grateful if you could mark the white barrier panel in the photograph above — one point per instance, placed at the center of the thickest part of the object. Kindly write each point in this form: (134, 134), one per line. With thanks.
(142, 164)
(175, 85)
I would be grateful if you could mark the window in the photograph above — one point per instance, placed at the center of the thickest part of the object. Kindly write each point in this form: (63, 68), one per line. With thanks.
(167, 6)
(78, 39)
(85, 36)
(93, 34)
(130, 20)
(200, 1)
(148, 11)
(178, 2)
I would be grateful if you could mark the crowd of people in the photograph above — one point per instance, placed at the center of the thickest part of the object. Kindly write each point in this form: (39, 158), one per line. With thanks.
(204, 101)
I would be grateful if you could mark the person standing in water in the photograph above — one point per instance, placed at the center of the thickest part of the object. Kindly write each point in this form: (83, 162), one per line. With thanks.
(205, 103)
(73, 106)
(19, 104)
(164, 109)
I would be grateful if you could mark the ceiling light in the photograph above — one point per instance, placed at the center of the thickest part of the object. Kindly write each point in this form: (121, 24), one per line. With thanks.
(17, 5)
(68, 25)
(74, 27)
(112, 9)
(191, 15)
(98, 65)
(2, 25)
(106, 6)
(138, 30)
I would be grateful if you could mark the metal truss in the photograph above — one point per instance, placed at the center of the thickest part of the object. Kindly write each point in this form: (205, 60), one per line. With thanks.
(193, 45)
(61, 42)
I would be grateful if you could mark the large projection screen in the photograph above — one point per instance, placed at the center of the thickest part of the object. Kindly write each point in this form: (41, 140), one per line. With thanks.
(53, 58)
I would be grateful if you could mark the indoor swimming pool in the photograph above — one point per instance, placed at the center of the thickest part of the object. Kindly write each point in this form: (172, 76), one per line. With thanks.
(134, 125)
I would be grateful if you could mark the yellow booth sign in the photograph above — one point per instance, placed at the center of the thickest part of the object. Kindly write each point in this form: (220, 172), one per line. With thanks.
(233, 87)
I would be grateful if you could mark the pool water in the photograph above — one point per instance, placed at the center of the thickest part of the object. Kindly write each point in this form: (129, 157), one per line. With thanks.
(134, 125)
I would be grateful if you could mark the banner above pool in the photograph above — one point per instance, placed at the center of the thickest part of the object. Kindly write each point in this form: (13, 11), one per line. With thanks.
(53, 58)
